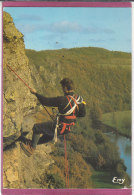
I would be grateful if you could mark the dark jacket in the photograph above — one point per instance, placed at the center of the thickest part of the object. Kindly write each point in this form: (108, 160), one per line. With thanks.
(61, 102)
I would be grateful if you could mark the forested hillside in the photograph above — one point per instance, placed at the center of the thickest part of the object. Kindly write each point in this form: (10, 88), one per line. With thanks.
(103, 78)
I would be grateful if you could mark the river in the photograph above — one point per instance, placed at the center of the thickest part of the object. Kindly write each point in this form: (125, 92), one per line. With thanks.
(124, 145)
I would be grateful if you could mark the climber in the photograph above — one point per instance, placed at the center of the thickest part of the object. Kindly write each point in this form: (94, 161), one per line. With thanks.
(70, 106)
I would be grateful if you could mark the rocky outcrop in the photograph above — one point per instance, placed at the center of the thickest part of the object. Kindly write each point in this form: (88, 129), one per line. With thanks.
(23, 172)
(18, 101)
(19, 105)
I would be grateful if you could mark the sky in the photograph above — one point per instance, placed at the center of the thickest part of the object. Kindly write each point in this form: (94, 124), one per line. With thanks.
(50, 28)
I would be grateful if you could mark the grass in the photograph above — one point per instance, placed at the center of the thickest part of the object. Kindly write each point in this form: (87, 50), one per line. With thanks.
(121, 121)
(103, 179)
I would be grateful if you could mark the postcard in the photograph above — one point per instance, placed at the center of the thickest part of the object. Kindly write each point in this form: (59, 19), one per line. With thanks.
(66, 98)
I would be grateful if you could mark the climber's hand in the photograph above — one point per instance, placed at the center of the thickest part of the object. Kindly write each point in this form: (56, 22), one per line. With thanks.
(33, 91)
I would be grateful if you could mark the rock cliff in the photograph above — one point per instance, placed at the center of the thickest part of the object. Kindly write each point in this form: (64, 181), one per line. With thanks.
(17, 97)
(19, 105)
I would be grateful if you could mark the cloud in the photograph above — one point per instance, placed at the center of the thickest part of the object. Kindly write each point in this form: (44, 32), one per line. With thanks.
(27, 28)
(97, 40)
(30, 17)
(64, 27)
(54, 37)
(107, 31)
(74, 27)
(94, 29)
(60, 28)
(100, 40)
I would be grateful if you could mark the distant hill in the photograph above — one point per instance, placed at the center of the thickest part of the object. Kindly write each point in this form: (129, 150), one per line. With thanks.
(103, 77)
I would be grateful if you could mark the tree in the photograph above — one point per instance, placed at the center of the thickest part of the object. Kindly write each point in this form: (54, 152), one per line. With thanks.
(95, 115)
(100, 162)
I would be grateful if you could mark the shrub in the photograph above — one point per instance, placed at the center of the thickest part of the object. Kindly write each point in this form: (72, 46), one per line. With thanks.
(54, 181)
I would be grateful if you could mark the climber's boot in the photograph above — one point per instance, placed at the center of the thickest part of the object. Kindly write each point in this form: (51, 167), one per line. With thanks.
(27, 148)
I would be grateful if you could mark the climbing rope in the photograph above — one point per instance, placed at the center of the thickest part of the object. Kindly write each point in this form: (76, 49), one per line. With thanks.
(19, 77)
(66, 164)
(29, 88)
(65, 146)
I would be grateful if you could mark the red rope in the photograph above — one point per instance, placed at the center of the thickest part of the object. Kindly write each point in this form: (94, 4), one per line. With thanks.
(28, 87)
(19, 77)
(66, 163)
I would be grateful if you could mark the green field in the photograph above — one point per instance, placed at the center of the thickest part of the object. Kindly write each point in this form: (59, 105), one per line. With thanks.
(121, 121)
(103, 179)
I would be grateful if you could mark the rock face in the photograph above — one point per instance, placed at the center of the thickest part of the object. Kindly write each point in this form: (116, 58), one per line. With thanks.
(17, 98)
(22, 172)
(19, 171)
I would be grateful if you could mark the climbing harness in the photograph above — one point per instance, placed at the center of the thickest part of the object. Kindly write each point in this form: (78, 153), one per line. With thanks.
(29, 88)
(72, 109)
(55, 133)
(69, 114)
